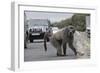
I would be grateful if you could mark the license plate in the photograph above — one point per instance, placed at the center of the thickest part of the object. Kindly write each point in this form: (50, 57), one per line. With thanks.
(35, 33)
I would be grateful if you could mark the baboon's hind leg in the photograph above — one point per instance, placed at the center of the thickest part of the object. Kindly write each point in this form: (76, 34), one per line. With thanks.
(57, 45)
(59, 51)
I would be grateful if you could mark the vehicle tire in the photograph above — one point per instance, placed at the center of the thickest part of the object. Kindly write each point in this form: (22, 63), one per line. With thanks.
(25, 45)
(31, 40)
(48, 40)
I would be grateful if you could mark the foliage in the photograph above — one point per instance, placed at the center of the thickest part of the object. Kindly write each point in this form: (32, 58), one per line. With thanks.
(77, 20)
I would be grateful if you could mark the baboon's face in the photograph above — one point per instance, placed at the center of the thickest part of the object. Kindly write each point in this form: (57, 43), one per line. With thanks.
(71, 31)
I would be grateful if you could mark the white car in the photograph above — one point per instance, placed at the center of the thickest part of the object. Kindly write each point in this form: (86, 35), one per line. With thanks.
(37, 28)
(55, 29)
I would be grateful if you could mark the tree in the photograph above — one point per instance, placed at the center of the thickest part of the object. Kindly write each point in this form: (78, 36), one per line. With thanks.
(79, 21)
(62, 23)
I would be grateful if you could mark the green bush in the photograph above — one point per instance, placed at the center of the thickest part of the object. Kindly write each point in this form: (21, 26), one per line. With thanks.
(77, 20)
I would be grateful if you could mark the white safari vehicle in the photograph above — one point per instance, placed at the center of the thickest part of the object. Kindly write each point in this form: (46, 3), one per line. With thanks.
(37, 28)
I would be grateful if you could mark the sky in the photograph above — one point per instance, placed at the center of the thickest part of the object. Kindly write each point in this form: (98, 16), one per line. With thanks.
(52, 16)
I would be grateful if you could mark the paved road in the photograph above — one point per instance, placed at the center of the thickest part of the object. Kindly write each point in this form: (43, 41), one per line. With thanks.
(35, 52)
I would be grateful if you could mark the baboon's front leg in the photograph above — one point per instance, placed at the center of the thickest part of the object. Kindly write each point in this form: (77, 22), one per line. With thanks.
(72, 47)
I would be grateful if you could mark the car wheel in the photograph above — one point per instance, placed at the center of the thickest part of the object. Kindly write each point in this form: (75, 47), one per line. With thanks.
(31, 40)
(47, 39)
(25, 46)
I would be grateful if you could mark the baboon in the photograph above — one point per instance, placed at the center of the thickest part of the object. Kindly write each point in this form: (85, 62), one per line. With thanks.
(60, 40)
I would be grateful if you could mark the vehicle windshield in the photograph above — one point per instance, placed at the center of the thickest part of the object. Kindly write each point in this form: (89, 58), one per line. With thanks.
(38, 25)
(38, 22)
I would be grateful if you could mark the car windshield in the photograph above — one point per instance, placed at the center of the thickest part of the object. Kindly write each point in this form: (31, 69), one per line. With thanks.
(39, 25)
(38, 22)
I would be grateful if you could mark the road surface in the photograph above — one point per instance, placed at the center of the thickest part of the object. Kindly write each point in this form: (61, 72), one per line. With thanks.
(36, 52)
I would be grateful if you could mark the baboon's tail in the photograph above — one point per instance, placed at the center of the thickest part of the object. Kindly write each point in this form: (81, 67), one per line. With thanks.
(45, 45)
(45, 40)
